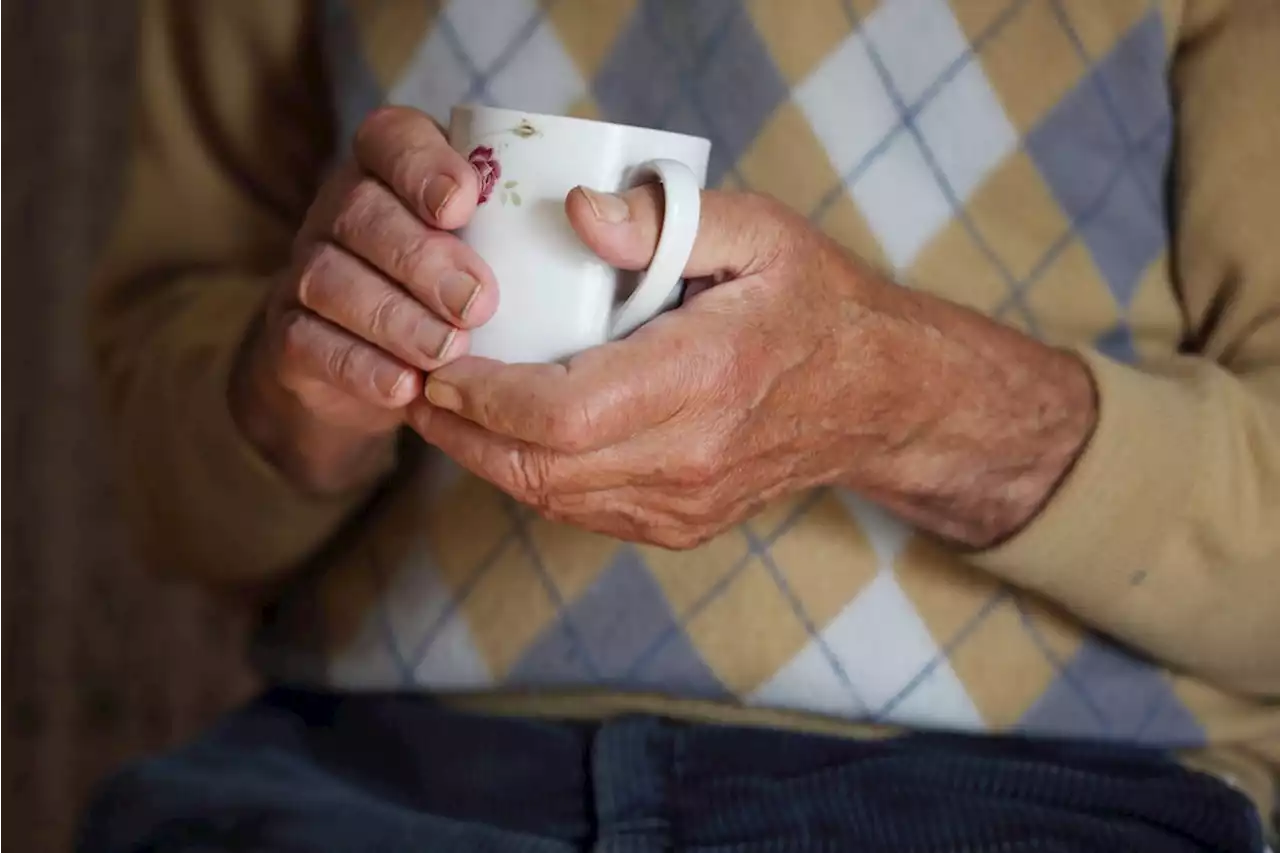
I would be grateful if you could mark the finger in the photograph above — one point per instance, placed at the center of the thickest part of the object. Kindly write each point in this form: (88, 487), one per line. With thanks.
(564, 488)
(408, 152)
(341, 288)
(507, 463)
(735, 233)
(435, 266)
(598, 399)
(315, 350)
(531, 474)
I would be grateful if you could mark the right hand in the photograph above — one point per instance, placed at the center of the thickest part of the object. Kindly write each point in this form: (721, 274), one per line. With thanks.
(378, 293)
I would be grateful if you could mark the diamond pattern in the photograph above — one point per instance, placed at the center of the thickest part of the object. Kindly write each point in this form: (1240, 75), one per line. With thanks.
(417, 600)
(966, 129)
(1134, 79)
(917, 138)
(1077, 149)
(902, 200)
(539, 78)
(555, 658)
(880, 642)
(917, 40)
(627, 97)
(938, 700)
(622, 615)
(738, 90)
(1152, 162)
(434, 80)
(1106, 692)
(707, 73)
(688, 30)
(486, 29)
(1124, 237)
(452, 661)
(676, 666)
(809, 681)
(847, 106)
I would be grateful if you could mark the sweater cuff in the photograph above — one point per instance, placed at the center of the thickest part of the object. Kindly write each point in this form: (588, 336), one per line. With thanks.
(242, 520)
(1096, 534)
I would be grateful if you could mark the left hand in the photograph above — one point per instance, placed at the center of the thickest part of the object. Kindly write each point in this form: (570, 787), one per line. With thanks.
(795, 367)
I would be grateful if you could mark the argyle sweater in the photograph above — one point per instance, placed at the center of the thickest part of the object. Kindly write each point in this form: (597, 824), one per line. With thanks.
(1100, 174)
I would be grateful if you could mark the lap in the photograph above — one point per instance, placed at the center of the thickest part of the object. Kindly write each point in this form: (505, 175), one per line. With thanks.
(296, 770)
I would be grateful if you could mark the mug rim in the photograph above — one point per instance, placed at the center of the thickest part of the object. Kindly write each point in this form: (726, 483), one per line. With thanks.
(598, 123)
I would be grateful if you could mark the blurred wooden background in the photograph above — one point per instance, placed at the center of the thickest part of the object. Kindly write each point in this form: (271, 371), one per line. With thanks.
(99, 662)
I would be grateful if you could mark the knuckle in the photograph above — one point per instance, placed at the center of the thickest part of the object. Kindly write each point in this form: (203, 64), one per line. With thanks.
(701, 507)
(527, 477)
(556, 512)
(410, 166)
(565, 509)
(776, 227)
(700, 465)
(340, 363)
(376, 123)
(385, 315)
(570, 431)
(409, 257)
(678, 538)
(358, 211)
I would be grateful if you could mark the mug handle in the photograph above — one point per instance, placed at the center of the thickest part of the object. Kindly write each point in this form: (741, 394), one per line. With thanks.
(682, 211)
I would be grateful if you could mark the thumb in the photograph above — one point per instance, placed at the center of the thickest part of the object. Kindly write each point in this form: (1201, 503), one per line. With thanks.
(736, 230)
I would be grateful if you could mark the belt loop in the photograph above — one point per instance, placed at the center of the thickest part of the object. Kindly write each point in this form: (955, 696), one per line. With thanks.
(632, 769)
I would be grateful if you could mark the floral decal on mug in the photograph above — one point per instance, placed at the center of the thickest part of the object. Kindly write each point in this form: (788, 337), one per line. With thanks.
(488, 169)
(485, 161)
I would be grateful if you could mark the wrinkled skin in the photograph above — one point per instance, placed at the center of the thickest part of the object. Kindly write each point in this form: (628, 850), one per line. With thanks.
(379, 292)
(794, 365)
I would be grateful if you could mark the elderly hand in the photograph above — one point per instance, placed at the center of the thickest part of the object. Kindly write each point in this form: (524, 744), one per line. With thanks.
(379, 292)
(796, 366)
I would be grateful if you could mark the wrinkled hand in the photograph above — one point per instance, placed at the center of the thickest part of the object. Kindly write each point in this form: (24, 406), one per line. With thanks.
(794, 366)
(699, 417)
(378, 292)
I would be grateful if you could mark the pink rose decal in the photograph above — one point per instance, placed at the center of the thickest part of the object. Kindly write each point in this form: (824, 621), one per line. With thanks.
(488, 169)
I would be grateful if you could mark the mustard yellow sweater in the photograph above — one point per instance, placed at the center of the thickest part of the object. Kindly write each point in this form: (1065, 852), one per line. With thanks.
(1103, 174)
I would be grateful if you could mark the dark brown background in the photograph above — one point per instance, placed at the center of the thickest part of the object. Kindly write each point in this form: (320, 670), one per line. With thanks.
(99, 662)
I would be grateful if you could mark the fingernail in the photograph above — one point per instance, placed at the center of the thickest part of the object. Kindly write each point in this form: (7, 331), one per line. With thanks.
(458, 291)
(438, 192)
(446, 344)
(443, 396)
(389, 380)
(607, 207)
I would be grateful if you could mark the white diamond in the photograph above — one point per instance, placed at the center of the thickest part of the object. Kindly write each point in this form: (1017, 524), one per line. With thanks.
(847, 105)
(880, 641)
(808, 682)
(939, 700)
(540, 77)
(966, 130)
(487, 28)
(453, 662)
(433, 80)
(916, 40)
(901, 201)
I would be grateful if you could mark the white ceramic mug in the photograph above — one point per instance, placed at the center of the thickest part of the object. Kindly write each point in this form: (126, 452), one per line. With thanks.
(555, 297)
